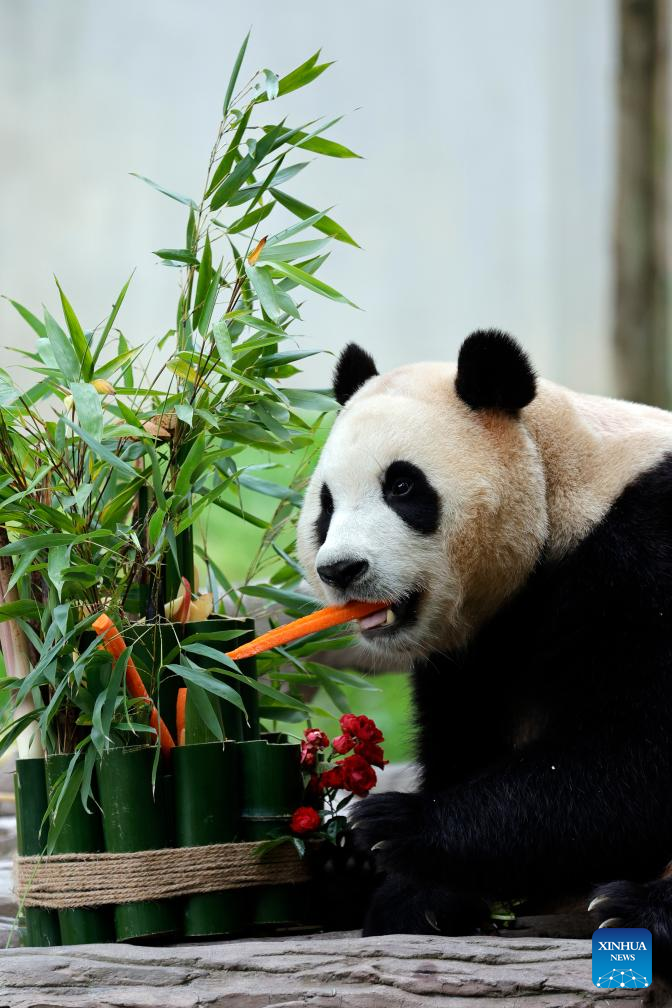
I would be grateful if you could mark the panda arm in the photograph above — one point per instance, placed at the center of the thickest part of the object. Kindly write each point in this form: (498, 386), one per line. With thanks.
(560, 814)
(458, 717)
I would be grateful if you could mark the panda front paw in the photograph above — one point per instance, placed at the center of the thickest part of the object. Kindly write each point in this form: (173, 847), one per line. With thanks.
(392, 826)
(636, 905)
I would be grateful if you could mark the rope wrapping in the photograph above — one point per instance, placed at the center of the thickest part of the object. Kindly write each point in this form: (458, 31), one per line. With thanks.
(70, 881)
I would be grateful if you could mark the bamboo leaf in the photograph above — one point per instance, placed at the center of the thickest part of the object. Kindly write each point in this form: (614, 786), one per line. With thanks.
(110, 321)
(325, 224)
(300, 76)
(177, 255)
(59, 561)
(293, 250)
(266, 82)
(105, 705)
(16, 728)
(192, 674)
(194, 457)
(101, 452)
(28, 317)
(186, 200)
(24, 609)
(62, 348)
(206, 710)
(307, 280)
(79, 340)
(269, 489)
(232, 182)
(49, 539)
(204, 278)
(264, 689)
(222, 338)
(305, 399)
(185, 413)
(89, 406)
(321, 145)
(209, 303)
(293, 602)
(289, 232)
(264, 288)
(234, 76)
(250, 219)
(276, 175)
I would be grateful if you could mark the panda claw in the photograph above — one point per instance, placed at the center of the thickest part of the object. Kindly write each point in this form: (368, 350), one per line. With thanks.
(596, 902)
(611, 922)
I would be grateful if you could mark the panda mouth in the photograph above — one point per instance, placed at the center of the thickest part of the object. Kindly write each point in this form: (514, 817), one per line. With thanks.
(398, 616)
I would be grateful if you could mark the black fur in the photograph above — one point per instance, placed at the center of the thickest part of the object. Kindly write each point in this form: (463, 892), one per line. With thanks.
(584, 653)
(418, 505)
(494, 373)
(354, 367)
(323, 520)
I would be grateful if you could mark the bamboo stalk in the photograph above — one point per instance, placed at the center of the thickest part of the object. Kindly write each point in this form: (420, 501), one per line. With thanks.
(15, 652)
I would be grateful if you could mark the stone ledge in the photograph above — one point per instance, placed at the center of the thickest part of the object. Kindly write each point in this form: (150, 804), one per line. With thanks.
(323, 971)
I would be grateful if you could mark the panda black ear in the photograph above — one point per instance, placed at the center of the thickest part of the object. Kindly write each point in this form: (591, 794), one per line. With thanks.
(355, 366)
(493, 372)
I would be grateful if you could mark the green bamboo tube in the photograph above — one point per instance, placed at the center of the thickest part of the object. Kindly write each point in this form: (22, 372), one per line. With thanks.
(206, 807)
(30, 790)
(135, 819)
(233, 721)
(81, 833)
(271, 788)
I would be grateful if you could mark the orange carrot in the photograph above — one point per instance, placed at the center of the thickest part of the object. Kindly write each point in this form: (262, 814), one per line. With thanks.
(320, 620)
(181, 715)
(115, 645)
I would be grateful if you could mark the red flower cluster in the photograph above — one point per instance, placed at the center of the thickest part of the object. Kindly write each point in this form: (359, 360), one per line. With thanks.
(361, 738)
(362, 735)
(305, 820)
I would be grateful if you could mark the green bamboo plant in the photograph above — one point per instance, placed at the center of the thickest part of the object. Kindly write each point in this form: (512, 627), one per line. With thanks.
(108, 463)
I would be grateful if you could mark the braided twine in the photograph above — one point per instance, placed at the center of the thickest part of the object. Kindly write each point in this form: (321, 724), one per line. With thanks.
(68, 881)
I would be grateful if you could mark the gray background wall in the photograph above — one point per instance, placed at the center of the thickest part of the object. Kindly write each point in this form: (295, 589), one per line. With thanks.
(484, 199)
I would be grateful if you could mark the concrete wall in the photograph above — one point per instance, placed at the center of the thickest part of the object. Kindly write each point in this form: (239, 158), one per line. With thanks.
(484, 199)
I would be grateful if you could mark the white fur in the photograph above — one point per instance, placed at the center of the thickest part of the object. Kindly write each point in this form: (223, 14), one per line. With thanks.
(509, 487)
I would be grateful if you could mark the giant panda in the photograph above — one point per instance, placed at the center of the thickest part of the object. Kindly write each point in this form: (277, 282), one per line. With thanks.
(522, 534)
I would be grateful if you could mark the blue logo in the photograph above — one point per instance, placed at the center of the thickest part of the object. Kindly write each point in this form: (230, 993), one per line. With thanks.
(622, 958)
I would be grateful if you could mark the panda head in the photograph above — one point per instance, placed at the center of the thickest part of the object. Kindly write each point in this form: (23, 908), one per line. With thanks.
(429, 494)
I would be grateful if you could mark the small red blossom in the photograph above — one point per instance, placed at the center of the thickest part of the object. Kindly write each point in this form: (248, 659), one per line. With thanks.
(316, 738)
(368, 730)
(332, 778)
(361, 728)
(305, 820)
(372, 753)
(358, 775)
(308, 755)
(350, 724)
(342, 744)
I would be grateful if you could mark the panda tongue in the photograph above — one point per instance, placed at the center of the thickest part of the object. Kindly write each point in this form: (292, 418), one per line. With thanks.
(373, 619)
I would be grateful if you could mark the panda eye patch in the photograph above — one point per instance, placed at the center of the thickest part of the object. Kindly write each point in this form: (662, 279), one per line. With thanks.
(324, 517)
(409, 493)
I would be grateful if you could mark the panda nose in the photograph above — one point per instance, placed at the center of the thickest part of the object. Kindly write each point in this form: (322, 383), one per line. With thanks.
(343, 572)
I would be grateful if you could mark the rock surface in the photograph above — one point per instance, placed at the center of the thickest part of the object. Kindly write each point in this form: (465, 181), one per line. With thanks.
(323, 971)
